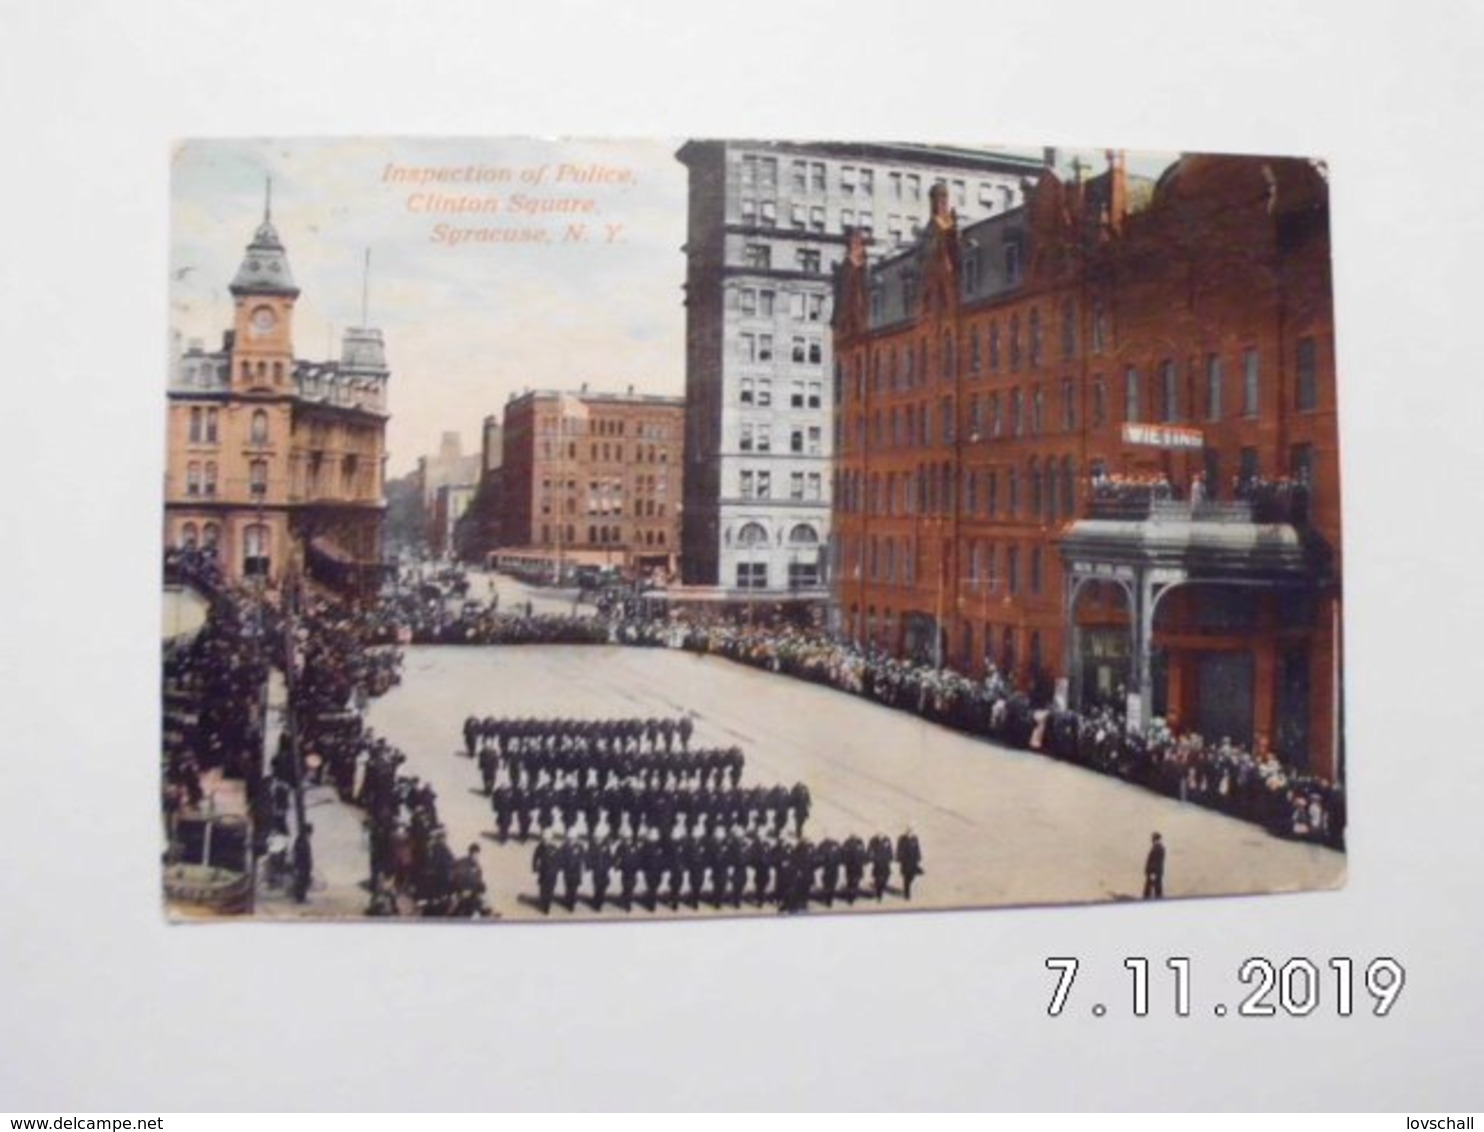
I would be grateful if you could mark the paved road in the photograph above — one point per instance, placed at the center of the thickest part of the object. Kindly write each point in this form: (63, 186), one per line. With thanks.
(998, 827)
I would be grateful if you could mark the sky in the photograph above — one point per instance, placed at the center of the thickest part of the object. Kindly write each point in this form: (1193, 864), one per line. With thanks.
(469, 323)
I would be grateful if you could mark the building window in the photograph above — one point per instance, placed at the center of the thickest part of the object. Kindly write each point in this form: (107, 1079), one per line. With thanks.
(747, 487)
(197, 416)
(815, 486)
(1213, 388)
(807, 260)
(208, 486)
(1012, 263)
(744, 440)
(1099, 403)
(765, 485)
(994, 347)
(1012, 569)
(746, 392)
(1015, 342)
(1068, 405)
(258, 476)
(1035, 336)
(211, 426)
(1306, 391)
(1169, 385)
(1250, 387)
(1038, 411)
(1035, 573)
(1017, 413)
(796, 485)
(996, 417)
(768, 211)
(1131, 395)
(815, 440)
(752, 575)
(258, 433)
(1068, 329)
(816, 394)
(757, 255)
(193, 478)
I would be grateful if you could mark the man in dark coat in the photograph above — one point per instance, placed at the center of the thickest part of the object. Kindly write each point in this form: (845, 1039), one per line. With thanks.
(545, 865)
(879, 850)
(488, 762)
(853, 857)
(909, 860)
(600, 864)
(468, 885)
(303, 864)
(570, 855)
(1154, 869)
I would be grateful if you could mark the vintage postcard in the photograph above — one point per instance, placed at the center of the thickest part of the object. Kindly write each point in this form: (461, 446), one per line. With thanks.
(616, 530)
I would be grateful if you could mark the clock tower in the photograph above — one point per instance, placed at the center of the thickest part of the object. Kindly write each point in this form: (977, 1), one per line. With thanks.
(263, 294)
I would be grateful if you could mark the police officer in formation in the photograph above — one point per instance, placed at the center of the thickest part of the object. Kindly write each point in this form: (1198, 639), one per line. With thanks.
(632, 799)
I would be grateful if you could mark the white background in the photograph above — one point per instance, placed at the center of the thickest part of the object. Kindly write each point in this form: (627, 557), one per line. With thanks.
(105, 1008)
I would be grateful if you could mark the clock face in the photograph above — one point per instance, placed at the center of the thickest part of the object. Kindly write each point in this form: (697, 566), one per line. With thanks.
(263, 320)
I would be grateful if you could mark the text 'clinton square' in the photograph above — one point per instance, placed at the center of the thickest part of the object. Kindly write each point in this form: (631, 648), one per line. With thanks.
(639, 529)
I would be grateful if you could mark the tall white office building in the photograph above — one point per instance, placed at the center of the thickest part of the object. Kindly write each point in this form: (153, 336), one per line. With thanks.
(769, 223)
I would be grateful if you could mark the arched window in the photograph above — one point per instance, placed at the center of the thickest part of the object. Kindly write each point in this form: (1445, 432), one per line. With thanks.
(1033, 477)
(1049, 492)
(258, 431)
(188, 536)
(752, 535)
(803, 534)
(1068, 488)
(211, 535)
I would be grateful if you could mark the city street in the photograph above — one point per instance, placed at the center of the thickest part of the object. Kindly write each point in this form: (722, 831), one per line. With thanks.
(997, 826)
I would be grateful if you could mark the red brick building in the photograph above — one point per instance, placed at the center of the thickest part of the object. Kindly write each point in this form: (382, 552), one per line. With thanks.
(594, 474)
(1093, 439)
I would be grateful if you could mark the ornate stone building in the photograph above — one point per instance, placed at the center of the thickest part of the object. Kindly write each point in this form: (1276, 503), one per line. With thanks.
(1093, 442)
(274, 463)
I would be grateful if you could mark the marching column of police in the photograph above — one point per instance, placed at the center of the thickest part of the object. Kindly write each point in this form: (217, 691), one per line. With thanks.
(632, 799)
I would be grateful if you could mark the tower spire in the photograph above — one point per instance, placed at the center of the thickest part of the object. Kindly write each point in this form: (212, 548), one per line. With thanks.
(366, 289)
(268, 198)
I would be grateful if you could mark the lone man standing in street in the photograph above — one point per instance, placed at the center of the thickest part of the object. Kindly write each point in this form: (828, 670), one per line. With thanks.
(1154, 870)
